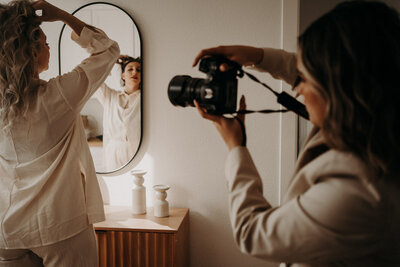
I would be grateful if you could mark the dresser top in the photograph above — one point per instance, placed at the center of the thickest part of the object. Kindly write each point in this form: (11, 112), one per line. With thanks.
(121, 218)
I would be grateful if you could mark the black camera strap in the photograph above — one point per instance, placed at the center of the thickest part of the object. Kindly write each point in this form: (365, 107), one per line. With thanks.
(284, 99)
(265, 111)
(244, 135)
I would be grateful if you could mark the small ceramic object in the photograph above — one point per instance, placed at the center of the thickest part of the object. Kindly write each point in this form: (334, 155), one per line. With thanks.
(161, 207)
(138, 192)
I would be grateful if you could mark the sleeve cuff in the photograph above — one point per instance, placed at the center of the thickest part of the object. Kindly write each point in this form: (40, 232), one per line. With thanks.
(279, 63)
(92, 39)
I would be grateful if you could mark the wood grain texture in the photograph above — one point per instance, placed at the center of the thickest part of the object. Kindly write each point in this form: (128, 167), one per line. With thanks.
(138, 246)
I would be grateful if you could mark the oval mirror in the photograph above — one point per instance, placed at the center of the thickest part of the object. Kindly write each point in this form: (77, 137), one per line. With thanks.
(113, 116)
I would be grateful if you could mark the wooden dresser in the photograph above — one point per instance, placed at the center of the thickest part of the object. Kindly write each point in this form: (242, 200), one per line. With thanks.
(125, 240)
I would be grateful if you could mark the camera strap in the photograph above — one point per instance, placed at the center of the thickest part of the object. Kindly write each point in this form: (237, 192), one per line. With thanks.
(244, 141)
(284, 99)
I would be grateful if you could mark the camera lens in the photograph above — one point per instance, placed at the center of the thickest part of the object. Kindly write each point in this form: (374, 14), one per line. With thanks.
(183, 89)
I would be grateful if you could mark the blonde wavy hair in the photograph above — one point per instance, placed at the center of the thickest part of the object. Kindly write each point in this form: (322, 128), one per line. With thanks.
(19, 34)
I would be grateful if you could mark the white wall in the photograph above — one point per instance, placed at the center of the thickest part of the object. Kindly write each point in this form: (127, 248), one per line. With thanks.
(181, 149)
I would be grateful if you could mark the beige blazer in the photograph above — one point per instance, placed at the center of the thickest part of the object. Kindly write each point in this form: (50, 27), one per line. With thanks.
(331, 216)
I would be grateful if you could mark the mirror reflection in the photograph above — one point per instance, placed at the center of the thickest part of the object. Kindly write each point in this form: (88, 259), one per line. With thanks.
(112, 117)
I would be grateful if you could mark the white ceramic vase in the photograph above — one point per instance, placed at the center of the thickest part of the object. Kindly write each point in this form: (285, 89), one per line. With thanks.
(161, 206)
(138, 192)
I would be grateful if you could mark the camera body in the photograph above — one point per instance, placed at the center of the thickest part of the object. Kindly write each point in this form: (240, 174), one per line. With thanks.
(217, 93)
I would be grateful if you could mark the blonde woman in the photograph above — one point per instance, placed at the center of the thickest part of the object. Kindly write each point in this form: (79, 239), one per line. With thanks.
(49, 196)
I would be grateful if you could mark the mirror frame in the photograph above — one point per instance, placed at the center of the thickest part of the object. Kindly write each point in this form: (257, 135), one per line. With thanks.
(119, 170)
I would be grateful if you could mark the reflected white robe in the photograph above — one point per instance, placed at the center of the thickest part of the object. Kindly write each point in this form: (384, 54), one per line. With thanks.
(121, 126)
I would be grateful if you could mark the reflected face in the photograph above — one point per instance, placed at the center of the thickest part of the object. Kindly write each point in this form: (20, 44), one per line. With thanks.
(131, 75)
(42, 53)
(315, 104)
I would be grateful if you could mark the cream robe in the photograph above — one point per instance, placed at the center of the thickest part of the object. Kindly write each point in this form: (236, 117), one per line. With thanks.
(48, 185)
(331, 216)
(121, 126)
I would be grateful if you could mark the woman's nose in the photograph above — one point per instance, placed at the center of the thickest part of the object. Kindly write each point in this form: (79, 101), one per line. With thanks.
(297, 89)
(296, 85)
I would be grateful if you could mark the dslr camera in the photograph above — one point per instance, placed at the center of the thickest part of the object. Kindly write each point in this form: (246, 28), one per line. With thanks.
(217, 93)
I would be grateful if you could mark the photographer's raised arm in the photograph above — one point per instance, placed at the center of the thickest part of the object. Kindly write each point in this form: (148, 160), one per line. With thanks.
(244, 55)
(279, 63)
(53, 13)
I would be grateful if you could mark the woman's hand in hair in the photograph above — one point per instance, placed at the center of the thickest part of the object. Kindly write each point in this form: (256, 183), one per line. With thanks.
(48, 12)
(229, 128)
(53, 13)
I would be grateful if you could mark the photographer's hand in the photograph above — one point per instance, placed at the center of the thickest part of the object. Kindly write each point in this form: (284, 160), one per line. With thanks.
(229, 128)
(244, 55)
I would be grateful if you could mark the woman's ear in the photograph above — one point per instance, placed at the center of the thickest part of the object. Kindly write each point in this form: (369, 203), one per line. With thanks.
(35, 58)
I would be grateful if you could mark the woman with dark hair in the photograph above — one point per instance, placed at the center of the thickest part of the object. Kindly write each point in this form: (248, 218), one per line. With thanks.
(49, 196)
(121, 116)
(342, 207)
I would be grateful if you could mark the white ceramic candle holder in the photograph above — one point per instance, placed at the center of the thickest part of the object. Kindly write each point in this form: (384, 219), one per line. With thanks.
(161, 206)
(138, 192)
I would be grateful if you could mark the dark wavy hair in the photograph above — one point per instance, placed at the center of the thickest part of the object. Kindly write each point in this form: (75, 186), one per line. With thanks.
(123, 61)
(353, 52)
(19, 34)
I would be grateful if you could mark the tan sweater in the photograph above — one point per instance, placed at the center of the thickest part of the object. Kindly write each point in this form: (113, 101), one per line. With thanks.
(331, 216)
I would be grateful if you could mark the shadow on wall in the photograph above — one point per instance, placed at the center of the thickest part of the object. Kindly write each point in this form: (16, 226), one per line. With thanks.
(215, 241)
(105, 193)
